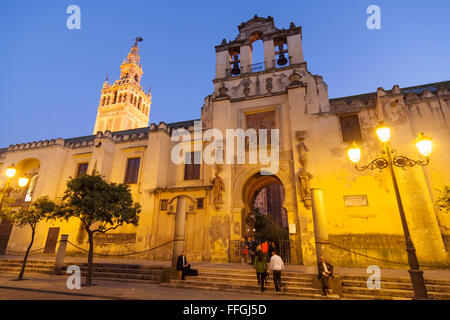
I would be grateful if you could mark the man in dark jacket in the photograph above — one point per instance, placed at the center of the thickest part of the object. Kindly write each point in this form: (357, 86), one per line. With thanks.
(182, 265)
(325, 271)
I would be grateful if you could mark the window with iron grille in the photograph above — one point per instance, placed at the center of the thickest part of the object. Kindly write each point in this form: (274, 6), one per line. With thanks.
(192, 166)
(132, 172)
(82, 169)
(350, 129)
(163, 204)
(199, 203)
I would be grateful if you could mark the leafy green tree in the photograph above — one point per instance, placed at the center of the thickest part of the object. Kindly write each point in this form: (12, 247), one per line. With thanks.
(267, 229)
(41, 209)
(100, 206)
(443, 201)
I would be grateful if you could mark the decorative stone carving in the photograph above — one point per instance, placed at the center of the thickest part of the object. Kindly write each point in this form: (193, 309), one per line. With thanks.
(223, 91)
(304, 176)
(269, 85)
(218, 188)
(394, 112)
(246, 88)
(295, 79)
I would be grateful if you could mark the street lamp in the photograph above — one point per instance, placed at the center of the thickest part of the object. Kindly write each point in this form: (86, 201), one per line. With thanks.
(424, 145)
(10, 173)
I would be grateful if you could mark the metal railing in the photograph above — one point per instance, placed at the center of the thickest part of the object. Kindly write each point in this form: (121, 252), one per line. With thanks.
(284, 249)
(256, 67)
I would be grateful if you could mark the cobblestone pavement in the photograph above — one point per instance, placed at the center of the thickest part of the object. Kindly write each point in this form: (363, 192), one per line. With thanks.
(52, 287)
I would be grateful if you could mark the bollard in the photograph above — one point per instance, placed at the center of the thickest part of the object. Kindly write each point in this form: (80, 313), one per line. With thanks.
(59, 260)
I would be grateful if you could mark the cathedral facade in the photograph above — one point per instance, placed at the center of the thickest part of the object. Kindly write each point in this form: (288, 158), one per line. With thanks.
(280, 93)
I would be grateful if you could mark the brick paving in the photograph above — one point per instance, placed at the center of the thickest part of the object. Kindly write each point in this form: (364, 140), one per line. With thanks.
(53, 287)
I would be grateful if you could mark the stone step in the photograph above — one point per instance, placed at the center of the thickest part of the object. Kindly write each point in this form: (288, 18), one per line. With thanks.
(121, 266)
(396, 285)
(127, 280)
(269, 291)
(40, 262)
(246, 272)
(27, 270)
(391, 293)
(228, 285)
(249, 280)
(157, 272)
(287, 276)
(402, 280)
(124, 276)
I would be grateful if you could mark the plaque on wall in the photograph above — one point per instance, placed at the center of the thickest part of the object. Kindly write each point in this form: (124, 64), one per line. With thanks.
(292, 228)
(104, 238)
(356, 200)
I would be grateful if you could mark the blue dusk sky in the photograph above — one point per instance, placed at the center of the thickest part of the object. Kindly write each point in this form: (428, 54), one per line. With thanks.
(51, 76)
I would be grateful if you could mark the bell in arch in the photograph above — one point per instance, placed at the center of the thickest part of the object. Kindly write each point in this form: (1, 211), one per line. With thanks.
(235, 70)
(281, 58)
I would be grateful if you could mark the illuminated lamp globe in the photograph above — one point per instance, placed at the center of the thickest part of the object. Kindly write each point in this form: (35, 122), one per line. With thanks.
(354, 153)
(383, 132)
(424, 144)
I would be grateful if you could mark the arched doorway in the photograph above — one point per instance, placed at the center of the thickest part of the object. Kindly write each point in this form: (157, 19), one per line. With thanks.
(265, 218)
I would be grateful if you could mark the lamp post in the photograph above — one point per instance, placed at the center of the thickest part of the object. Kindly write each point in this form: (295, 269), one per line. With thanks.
(10, 173)
(389, 160)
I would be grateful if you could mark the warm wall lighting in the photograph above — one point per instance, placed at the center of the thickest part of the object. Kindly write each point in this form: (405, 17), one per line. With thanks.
(23, 182)
(11, 171)
(354, 153)
(424, 144)
(383, 133)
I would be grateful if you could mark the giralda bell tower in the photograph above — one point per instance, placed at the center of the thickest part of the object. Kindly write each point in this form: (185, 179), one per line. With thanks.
(124, 104)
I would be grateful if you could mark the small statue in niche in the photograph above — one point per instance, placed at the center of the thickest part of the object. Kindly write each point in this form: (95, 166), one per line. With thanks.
(218, 188)
(304, 176)
(269, 85)
(302, 149)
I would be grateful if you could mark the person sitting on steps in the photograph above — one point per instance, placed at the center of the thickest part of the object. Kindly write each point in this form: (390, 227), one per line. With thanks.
(325, 271)
(183, 265)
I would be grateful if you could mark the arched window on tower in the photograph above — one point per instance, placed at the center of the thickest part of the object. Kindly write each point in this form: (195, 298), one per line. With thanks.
(257, 46)
(281, 52)
(139, 103)
(234, 68)
(107, 101)
(120, 98)
(115, 97)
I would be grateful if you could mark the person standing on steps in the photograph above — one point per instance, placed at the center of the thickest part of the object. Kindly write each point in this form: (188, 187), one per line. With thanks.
(265, 250)
(261, 269)
(276, 267)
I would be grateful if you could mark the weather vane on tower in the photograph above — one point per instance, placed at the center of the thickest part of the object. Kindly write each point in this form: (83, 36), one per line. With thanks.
(138, 39)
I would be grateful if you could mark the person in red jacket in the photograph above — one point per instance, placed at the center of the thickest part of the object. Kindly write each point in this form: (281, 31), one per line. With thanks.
(265, 249)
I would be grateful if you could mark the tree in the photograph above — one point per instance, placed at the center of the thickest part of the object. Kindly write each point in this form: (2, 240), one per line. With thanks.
(100, 206)
(267, 229)
(443, 201)
(41, 209)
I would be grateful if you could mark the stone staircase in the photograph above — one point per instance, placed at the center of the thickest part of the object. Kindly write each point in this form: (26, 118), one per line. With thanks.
(244, 281)
(124, 272)
(33, 266)
(101, 271)
(355, 287)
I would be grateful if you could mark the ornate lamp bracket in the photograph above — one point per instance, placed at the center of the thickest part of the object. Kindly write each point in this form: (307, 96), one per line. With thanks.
(402, 162)
(378, 163)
